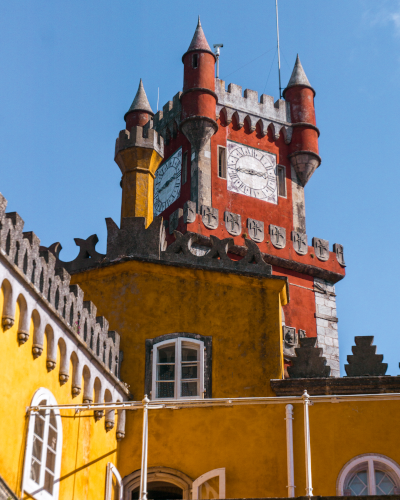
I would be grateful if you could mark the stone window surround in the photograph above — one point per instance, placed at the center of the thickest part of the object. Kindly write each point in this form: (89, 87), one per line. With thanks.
(207, 341)
(373, 461)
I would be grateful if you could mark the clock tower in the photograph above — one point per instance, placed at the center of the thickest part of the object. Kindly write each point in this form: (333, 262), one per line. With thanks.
(234, 166)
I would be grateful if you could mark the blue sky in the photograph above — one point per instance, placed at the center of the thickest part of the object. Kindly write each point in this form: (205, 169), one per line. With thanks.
(70, 71)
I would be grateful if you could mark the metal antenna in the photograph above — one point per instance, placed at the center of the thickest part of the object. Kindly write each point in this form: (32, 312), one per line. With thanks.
(217, 52)
(158, 97)
(279, 50)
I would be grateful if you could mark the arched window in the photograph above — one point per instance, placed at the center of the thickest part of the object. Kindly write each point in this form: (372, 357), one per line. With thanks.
(113, 483)
(43, 449)
(178, 369)
(369, 474)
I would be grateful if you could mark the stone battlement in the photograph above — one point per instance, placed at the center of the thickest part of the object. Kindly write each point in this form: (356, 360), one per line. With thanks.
(167, 121)
(248, 107)
(38, 265)
(143, 137)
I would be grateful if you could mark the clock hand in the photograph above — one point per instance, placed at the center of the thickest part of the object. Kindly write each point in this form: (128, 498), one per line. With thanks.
(252, 172)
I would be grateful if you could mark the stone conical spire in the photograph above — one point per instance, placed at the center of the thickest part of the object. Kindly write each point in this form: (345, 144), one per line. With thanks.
(199, 41)
(140, 103)
(298, 75)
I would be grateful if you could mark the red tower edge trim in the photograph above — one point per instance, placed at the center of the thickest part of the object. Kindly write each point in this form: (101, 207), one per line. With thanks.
(200, 89)
(199, 50)
(300, 86)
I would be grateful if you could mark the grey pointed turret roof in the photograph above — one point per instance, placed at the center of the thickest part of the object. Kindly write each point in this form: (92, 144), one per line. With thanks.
(140, 103)
(299, 76)
(199, 41)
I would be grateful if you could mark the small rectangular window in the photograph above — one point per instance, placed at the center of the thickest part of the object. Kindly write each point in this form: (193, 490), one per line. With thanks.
(184, 167)
(281, 181)
(195, 60)
(221, 162)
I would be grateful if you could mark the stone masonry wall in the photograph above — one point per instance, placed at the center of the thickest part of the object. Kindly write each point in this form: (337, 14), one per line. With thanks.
(327, 323)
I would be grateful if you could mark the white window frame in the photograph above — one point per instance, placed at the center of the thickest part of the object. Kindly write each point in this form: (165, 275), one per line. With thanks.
(29, 486)
(220, 473)
(372, 461)
(110, 472)
(277, 178)
(178, 355)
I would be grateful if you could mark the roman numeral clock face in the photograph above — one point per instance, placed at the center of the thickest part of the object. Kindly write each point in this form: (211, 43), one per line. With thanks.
(252, 172)
(167, 184)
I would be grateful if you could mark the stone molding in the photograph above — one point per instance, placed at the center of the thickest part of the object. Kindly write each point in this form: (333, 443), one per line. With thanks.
(336, 386)
(36, 267)
(247, 107)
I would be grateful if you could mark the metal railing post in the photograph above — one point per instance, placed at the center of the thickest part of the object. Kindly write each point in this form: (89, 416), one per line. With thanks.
(289, 449)
(307, 403)
(145, 436)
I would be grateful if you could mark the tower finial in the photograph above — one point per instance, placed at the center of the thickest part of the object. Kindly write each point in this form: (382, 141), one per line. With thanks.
(140, 102)
(299, 76)
(199, 41)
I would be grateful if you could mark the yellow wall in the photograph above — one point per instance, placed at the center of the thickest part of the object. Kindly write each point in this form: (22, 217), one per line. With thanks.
(250, 442)
(87, 447)
(242, 314)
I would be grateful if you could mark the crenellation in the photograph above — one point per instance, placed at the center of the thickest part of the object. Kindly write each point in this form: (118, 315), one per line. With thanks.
(39, 266)
(169, 118)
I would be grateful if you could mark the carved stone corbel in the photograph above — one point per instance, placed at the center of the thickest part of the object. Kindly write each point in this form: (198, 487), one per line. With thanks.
(63, 377)
(37, 350)
(75, 391)
(7, 322)
(50, 365)
(22, 336)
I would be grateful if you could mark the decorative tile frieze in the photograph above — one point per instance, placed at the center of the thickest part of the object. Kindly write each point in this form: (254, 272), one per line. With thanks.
(256, 230)
(174, 220)
(209, 216)
(300, 244)
(338, 249)
(321, 248)
(233, 223)
(278, 236)
(189, 212)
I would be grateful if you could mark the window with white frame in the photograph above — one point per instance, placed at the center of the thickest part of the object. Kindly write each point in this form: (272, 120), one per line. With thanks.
(114, 489)
(43, 449)
(178, 369)
(369, 474)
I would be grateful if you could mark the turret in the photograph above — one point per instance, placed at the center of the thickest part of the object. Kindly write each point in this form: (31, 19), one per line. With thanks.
(140, 111)
(198, 118)
(139, 151)
(304, 146)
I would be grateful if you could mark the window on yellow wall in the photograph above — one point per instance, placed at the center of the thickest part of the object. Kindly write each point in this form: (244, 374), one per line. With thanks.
(43, 449)
(369, 474)
(178, 369)
(114, 488)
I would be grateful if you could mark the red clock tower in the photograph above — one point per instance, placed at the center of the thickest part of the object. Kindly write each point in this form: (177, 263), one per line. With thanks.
(235, 166)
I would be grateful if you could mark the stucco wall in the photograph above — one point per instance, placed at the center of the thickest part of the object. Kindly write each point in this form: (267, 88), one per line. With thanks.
(87, 447)
(242, 314)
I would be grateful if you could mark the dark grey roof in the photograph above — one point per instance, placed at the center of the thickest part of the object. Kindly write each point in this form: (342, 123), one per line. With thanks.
(298, 75)
(140, 103)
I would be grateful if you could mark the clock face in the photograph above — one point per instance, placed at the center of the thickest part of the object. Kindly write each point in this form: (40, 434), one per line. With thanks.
(167, 184)
(252, 172)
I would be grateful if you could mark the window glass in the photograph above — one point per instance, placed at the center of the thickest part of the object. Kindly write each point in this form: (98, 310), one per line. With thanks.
(42, 465)
(384, 484)
(189, 371)
(358, 484)
(166, 372)
(281, 181)
(177, 369)
(221, 162)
